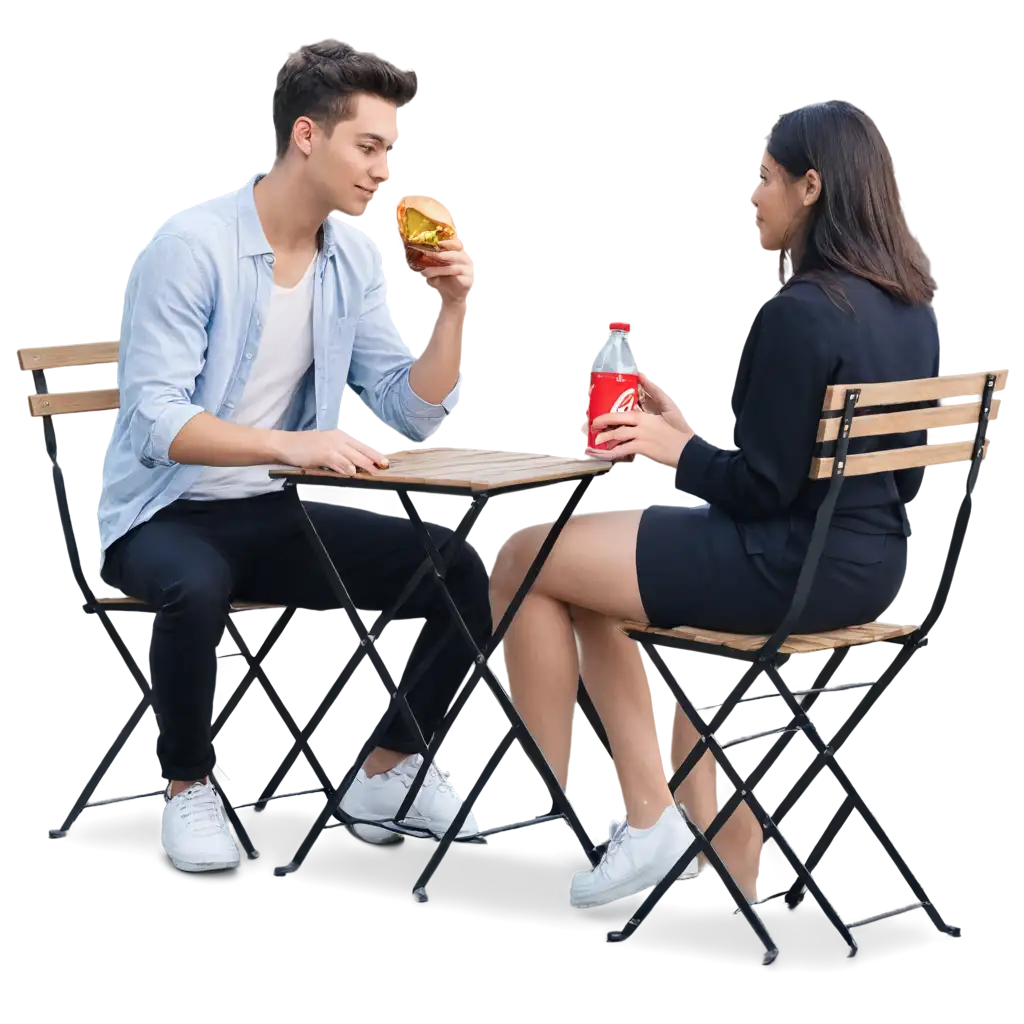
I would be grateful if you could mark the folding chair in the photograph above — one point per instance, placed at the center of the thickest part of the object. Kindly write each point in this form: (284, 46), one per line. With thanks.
(73, 419)
(765, 654)
(479, 475)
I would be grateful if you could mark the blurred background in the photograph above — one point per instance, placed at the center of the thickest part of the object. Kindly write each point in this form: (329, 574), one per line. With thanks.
(597, 162)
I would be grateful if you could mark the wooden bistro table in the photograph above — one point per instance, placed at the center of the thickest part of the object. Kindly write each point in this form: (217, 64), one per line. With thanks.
(480, 476)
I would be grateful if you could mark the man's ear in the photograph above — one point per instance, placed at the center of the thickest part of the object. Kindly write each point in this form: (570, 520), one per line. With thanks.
(302, 135)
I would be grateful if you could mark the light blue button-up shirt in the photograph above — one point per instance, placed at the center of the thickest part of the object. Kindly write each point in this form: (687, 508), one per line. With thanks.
(194, 311)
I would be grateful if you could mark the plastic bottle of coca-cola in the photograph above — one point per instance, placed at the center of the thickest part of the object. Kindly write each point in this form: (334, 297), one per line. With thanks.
(613, 381)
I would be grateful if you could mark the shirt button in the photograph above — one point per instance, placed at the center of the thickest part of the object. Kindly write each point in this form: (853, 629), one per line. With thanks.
(248, 355)
(270, 258)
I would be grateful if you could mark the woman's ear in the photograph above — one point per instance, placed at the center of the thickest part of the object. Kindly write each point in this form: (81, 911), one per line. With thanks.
(812, 187)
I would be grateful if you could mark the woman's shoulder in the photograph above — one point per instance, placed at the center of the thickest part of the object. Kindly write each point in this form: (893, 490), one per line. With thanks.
(801, 307)
(841, 300)
(802, 296)
(832, 293)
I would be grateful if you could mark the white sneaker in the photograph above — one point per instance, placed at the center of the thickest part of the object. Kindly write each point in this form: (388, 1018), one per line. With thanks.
(636, 859)
(380, 797)
(194, 832)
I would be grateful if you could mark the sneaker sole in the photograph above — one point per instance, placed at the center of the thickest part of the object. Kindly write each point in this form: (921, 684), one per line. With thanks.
(387, 836)
(378, 834)
(196, 866)
(390, 838)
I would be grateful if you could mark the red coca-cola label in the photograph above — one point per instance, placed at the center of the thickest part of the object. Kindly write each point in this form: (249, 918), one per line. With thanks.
(610, 392)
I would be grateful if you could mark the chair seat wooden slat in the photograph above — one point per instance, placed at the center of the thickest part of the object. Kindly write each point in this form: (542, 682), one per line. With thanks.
(125, 603)
(798, 643)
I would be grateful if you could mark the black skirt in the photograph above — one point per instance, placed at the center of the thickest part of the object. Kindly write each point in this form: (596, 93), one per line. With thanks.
(698, 567)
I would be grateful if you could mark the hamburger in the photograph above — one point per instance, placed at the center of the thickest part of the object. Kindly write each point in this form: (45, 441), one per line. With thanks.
(423, 223)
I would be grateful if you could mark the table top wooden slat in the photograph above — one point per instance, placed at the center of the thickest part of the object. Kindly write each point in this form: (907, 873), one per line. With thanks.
(460, 468)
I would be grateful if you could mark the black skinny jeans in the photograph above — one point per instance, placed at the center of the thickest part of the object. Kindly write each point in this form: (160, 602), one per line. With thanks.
(193, 558)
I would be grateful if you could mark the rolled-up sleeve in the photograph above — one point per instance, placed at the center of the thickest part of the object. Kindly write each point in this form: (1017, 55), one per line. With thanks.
(164, 342)
(379, 370)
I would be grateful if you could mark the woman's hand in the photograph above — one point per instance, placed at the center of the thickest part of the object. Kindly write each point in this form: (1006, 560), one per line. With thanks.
(654, 400)
(641, 433)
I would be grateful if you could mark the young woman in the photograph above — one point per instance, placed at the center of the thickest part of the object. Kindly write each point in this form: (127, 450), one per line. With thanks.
(855, 310)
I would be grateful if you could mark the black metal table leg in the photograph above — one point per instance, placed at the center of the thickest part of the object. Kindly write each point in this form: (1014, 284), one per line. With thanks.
(578, 491)
(398, 702)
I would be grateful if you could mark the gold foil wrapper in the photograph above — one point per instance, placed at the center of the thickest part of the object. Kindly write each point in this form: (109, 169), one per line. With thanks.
(419, 229)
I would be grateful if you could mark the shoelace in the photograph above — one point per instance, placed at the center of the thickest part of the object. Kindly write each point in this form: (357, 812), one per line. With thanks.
(435, 775)
(201, 808)
(408, 770)
(616, 835)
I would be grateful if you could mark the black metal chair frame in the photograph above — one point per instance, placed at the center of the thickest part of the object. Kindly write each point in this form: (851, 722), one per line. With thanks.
(768, 660)
(114, 620)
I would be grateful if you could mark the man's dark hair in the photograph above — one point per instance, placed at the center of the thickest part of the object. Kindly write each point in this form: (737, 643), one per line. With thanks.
(320, 82)
(857, 224)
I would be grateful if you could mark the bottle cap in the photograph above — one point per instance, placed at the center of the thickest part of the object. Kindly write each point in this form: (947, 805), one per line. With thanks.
(619, 327)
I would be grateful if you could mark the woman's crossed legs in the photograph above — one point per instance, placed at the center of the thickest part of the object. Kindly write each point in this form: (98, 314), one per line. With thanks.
(587, 587)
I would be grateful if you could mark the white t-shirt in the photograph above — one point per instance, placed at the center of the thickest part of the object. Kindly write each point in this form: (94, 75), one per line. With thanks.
(285, 354)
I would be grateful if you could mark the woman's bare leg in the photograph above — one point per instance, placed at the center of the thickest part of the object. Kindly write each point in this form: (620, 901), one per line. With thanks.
(541, 662)
(589, 582)
(615, 679)
(740, 839)
(587, 586)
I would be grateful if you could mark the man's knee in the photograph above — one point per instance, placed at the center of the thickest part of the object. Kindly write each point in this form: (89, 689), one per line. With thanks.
(199, 595)
(466, 579)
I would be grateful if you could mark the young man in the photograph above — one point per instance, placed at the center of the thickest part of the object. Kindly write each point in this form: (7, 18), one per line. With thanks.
(244, 318)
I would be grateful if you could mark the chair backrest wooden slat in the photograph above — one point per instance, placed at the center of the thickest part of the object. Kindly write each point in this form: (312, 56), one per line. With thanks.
(897, 458)
(73, 401)
(960, 396)
(906, 421)
(82, 353)
(899, 392)
(59, 356)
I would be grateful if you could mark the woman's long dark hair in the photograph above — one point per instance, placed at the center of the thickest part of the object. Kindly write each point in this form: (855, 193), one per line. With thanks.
(857, 224)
